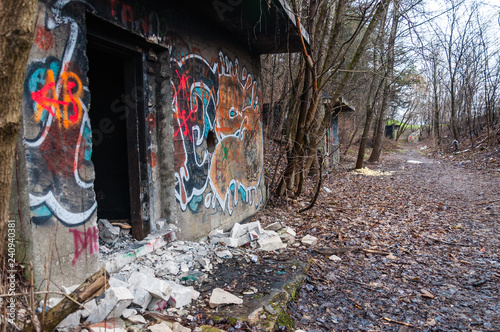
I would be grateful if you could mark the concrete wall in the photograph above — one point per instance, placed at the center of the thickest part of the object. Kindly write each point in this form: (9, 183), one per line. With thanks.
(203, 131)
(218, 146)
(57, 143)
(216, 98)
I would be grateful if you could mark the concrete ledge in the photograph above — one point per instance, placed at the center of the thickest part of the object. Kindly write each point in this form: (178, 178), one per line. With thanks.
(148, 245)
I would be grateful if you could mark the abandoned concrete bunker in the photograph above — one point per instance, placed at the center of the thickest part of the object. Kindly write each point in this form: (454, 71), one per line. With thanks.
(142, 113)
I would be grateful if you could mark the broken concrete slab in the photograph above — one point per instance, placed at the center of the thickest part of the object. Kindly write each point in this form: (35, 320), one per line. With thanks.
(141, 297)
(194, 293)
(287, 235)
(157, 287)
(89, 307)
(157, 304)
(275, 226)
(107, 232)
(180, 296)
(271, 242)
(221, 297)
(309, 240)
(114, 282)
(72, 319)
(128, 312)
(162, 327)
(115, 301)
(239, 230)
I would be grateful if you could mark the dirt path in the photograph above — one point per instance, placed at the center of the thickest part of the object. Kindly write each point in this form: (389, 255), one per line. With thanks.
(439, 221)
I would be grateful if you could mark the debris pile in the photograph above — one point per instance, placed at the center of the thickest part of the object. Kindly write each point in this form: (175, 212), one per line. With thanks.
(167, 278)
(274, 237)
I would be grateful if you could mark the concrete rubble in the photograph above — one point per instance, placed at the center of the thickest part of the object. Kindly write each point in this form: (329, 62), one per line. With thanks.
(167, 277)
(107, 232)
(221, 297)
(309, 240)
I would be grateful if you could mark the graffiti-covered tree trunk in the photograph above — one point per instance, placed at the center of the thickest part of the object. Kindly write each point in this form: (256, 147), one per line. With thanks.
(16, 33)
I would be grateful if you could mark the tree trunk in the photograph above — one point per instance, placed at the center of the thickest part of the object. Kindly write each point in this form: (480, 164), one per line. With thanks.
(304, 127)
(435, 104)
(370, 100)
(17, 20)
(387, 94)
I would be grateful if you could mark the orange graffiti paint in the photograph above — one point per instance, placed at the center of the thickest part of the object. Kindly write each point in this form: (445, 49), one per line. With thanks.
(153, 159)
(68, 110)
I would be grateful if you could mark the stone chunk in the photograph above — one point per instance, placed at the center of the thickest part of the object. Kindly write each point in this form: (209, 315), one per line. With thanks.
(180, 296)
(116, 300)
(335, 258)
(275, 226)
(72, 319)
(141, 297)
(309, 240)
(177, 327)
(220, 296)
(287, 234)
(107, 232)
(271, 242)
(155, 286)
(162, 327)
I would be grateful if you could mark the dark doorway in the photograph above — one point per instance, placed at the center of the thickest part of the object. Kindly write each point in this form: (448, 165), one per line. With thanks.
(109, 132)
(116, 108)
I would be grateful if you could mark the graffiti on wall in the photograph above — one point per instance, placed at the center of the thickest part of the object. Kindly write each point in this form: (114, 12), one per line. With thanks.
(57, 128)
(86, 240)
(137, 16)
(217, 133)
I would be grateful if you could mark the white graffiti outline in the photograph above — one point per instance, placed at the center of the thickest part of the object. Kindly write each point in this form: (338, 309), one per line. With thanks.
(68, 218)
(183, 174)
(230, 199)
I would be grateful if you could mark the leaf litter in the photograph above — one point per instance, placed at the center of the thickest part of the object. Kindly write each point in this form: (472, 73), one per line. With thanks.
(419, 248)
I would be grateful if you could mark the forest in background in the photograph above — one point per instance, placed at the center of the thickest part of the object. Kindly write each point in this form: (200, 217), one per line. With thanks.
(427, 66)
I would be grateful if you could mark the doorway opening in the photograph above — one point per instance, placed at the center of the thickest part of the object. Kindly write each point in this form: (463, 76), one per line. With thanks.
(109, 134)
(116, 108)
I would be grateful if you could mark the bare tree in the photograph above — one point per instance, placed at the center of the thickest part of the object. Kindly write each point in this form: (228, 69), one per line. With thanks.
(337, 45)
(388, 79)
(375, 85)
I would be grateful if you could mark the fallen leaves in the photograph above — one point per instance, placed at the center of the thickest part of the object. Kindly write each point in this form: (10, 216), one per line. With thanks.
(404, 241)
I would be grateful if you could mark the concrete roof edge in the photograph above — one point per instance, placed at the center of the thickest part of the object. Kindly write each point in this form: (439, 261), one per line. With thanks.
(289, 12)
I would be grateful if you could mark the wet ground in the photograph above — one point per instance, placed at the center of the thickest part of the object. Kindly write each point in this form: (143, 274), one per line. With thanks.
(429, 230)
